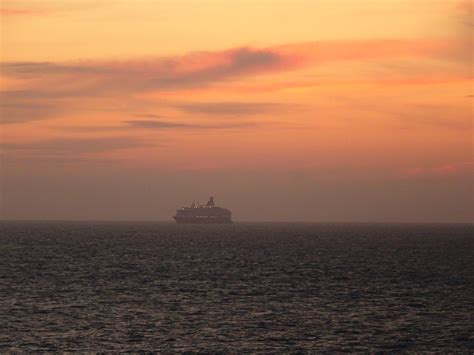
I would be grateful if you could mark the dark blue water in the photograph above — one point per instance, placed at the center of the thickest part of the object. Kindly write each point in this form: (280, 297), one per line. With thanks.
(241, 287)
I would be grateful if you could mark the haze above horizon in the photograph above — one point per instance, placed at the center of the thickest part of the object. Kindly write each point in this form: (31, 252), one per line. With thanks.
(283, 110)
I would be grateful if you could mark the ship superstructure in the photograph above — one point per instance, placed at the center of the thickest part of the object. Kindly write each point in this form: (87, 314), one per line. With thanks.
(203, 214)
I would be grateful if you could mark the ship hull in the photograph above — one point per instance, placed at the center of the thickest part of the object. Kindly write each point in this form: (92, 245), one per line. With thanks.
(203, 214)
(202, 220)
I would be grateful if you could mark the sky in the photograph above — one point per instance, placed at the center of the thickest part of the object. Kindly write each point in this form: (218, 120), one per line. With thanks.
(283, 110)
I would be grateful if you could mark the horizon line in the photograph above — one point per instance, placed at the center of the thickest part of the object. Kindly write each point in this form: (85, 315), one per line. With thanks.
(234, 222)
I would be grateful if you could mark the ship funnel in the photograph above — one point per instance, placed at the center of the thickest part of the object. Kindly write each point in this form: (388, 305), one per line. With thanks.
(210, 203)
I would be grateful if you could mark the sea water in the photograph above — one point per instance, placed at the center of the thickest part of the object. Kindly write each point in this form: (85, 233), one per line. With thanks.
(246, 287)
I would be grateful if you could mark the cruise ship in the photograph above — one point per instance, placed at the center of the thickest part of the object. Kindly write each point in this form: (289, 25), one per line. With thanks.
(203, 214)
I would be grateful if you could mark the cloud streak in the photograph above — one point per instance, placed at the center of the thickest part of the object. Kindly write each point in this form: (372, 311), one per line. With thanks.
(90, 78)
(154, 124)
(72, 147)
(165, 125)
(232, 108)
(209, 66)
(50, 82)
(18, 112)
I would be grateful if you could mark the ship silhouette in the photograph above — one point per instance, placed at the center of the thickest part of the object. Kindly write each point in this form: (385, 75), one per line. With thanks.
(203, 214)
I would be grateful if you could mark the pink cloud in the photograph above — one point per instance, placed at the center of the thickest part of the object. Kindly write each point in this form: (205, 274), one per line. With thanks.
(448, 169)
(330, 51)
(72, 80)
(202, 68)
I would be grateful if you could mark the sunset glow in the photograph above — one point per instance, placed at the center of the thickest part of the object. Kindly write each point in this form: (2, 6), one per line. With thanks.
(306, 110)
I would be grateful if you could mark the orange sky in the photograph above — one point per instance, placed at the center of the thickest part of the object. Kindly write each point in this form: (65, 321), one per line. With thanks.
(309, 110)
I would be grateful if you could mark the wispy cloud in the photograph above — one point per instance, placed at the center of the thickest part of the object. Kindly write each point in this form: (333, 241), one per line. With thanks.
(232, 108)
(154, 124)
(104, 78)
(73, 146)
(163, 125)
(17, 112)
(51, 83)
(203, 68)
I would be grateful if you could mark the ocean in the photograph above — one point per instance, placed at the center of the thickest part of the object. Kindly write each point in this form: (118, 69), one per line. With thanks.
(246, 287)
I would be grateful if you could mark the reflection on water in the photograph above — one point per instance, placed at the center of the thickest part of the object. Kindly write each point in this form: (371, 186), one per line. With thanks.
(241, 287)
